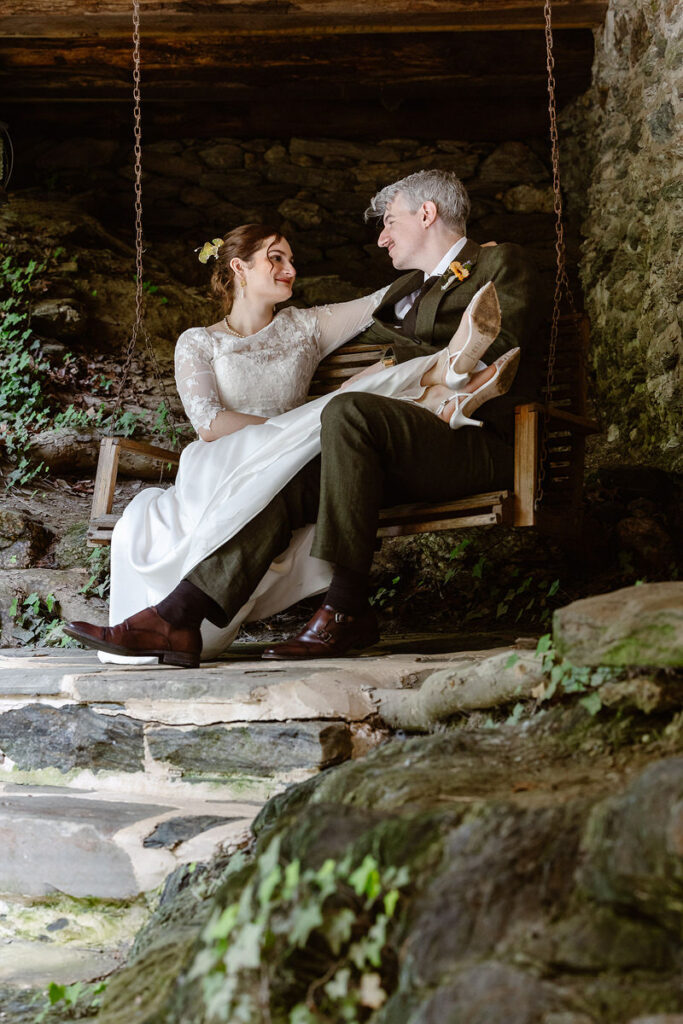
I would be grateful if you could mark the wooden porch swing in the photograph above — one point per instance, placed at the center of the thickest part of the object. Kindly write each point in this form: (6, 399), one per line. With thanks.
(549, 436)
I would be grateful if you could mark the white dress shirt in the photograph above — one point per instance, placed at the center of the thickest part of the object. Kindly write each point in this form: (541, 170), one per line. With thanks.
(404, 304)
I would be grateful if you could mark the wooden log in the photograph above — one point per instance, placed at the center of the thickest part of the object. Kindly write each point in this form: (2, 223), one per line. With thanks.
(449, 692)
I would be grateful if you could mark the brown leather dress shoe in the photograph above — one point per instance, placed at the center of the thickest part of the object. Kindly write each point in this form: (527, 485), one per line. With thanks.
(329, 634)
(145, 634)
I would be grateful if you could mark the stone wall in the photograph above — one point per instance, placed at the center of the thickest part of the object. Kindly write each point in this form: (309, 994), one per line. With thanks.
(622, 159)
(314, 189)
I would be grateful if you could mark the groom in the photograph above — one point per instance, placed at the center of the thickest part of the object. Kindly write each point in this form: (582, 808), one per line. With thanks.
(375, 451)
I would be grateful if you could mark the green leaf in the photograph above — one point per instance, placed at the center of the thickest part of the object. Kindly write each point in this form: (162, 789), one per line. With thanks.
(592, 703)
(221, 924)
(300, 1014)
(517, 713)
(73, 992)
(478, 569)
(512, 660)
(56, 993)
(338, 927)
(245, 950)
(554, 587)
(305, 919)
(326, 878)
(544, 644)
(292, 876)
(365, 880)
(390, 901)
(270, 857)
(397, 877)
(338, 987)
(268, 885)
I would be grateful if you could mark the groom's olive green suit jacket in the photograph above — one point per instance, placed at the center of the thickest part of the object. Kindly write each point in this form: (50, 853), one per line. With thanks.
(440, 311)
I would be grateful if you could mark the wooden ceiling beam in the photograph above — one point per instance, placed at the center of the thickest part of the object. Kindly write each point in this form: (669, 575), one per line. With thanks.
(382, 57)
(187, 88)
(38, 19)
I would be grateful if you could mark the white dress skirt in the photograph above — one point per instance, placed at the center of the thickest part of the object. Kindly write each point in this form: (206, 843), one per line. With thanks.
(221, 485)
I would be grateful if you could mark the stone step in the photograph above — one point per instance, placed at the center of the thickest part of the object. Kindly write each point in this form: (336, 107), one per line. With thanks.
(108, 846)
(231, 727)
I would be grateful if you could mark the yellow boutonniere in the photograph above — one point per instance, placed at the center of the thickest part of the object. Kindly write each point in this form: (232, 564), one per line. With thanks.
(458, 271)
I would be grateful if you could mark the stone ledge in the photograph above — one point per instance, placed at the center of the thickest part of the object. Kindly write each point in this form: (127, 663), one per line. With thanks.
(91, 844)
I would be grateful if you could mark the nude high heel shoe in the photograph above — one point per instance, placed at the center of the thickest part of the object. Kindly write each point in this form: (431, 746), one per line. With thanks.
(479, 327)
(468, 402)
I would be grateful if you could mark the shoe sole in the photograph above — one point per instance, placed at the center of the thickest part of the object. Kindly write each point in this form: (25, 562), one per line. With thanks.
(360, 645)
(177, 658)
(500, 386)
(485, 319)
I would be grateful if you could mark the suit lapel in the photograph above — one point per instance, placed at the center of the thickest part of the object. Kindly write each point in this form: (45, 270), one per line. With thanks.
(426, 314)
(398, 290)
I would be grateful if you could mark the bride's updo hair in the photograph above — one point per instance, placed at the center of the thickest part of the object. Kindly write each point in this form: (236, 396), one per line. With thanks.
(241, 243)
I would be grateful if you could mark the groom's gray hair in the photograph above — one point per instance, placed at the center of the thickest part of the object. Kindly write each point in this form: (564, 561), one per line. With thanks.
(443, 188)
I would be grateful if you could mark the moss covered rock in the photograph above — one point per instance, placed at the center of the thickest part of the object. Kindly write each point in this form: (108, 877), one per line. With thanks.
(636, 626)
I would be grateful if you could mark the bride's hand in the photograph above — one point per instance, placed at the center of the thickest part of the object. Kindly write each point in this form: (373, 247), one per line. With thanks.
(373, 368)
(228, 422)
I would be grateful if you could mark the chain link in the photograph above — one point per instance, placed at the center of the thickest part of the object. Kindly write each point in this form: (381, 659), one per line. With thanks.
(561, 277)
(138, 327)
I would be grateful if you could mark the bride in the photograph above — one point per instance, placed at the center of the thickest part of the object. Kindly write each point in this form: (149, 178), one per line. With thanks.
(243, 382)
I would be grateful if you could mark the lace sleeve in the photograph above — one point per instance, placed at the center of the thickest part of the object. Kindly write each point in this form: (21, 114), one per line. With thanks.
(195, 378)
(344, 320)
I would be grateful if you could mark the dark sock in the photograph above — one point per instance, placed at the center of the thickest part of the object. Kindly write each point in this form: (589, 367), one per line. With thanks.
(348, 591)
(187, 606)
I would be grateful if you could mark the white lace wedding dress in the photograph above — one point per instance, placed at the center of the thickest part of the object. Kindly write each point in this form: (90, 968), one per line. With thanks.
(221, 485)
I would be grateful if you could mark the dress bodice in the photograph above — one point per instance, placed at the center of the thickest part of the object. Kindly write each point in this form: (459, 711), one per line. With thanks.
(266, 373)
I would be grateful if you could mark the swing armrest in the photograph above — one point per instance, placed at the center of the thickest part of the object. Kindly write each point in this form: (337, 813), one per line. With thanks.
(108, 465)
(580, 424)
(152, 451)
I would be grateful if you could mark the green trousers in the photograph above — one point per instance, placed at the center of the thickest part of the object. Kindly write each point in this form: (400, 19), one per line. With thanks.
(375, 452)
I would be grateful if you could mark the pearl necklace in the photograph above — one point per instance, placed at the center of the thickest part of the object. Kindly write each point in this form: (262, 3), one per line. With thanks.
(232, 329)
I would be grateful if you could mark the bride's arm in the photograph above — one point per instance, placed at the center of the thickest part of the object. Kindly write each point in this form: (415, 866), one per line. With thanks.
(196, 383)
(341, 321)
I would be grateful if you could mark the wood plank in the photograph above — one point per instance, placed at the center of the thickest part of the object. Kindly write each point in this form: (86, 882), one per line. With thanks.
(399, 512)
(578, 423)
(152, 451)
(105, 477)
(493, 518)
(107, 522)
(526, 464)
(168, 18)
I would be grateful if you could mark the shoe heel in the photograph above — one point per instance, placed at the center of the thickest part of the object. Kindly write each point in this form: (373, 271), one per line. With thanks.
(179, 658)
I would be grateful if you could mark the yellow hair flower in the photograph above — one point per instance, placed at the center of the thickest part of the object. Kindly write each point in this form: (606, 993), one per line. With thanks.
(209, 249)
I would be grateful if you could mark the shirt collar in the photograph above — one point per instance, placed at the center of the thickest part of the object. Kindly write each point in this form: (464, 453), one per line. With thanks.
(443, 263)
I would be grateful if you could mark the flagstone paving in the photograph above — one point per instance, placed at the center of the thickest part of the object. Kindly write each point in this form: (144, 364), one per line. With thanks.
(112, 776)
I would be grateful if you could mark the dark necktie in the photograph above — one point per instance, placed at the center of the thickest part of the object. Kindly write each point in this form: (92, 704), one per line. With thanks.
(409, 321)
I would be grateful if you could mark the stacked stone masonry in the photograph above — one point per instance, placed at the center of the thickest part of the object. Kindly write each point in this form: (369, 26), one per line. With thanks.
(315, 190)
(623, 164)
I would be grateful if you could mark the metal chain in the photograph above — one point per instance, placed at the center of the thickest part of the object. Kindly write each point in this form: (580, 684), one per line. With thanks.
(561, 278)
(138, 327)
